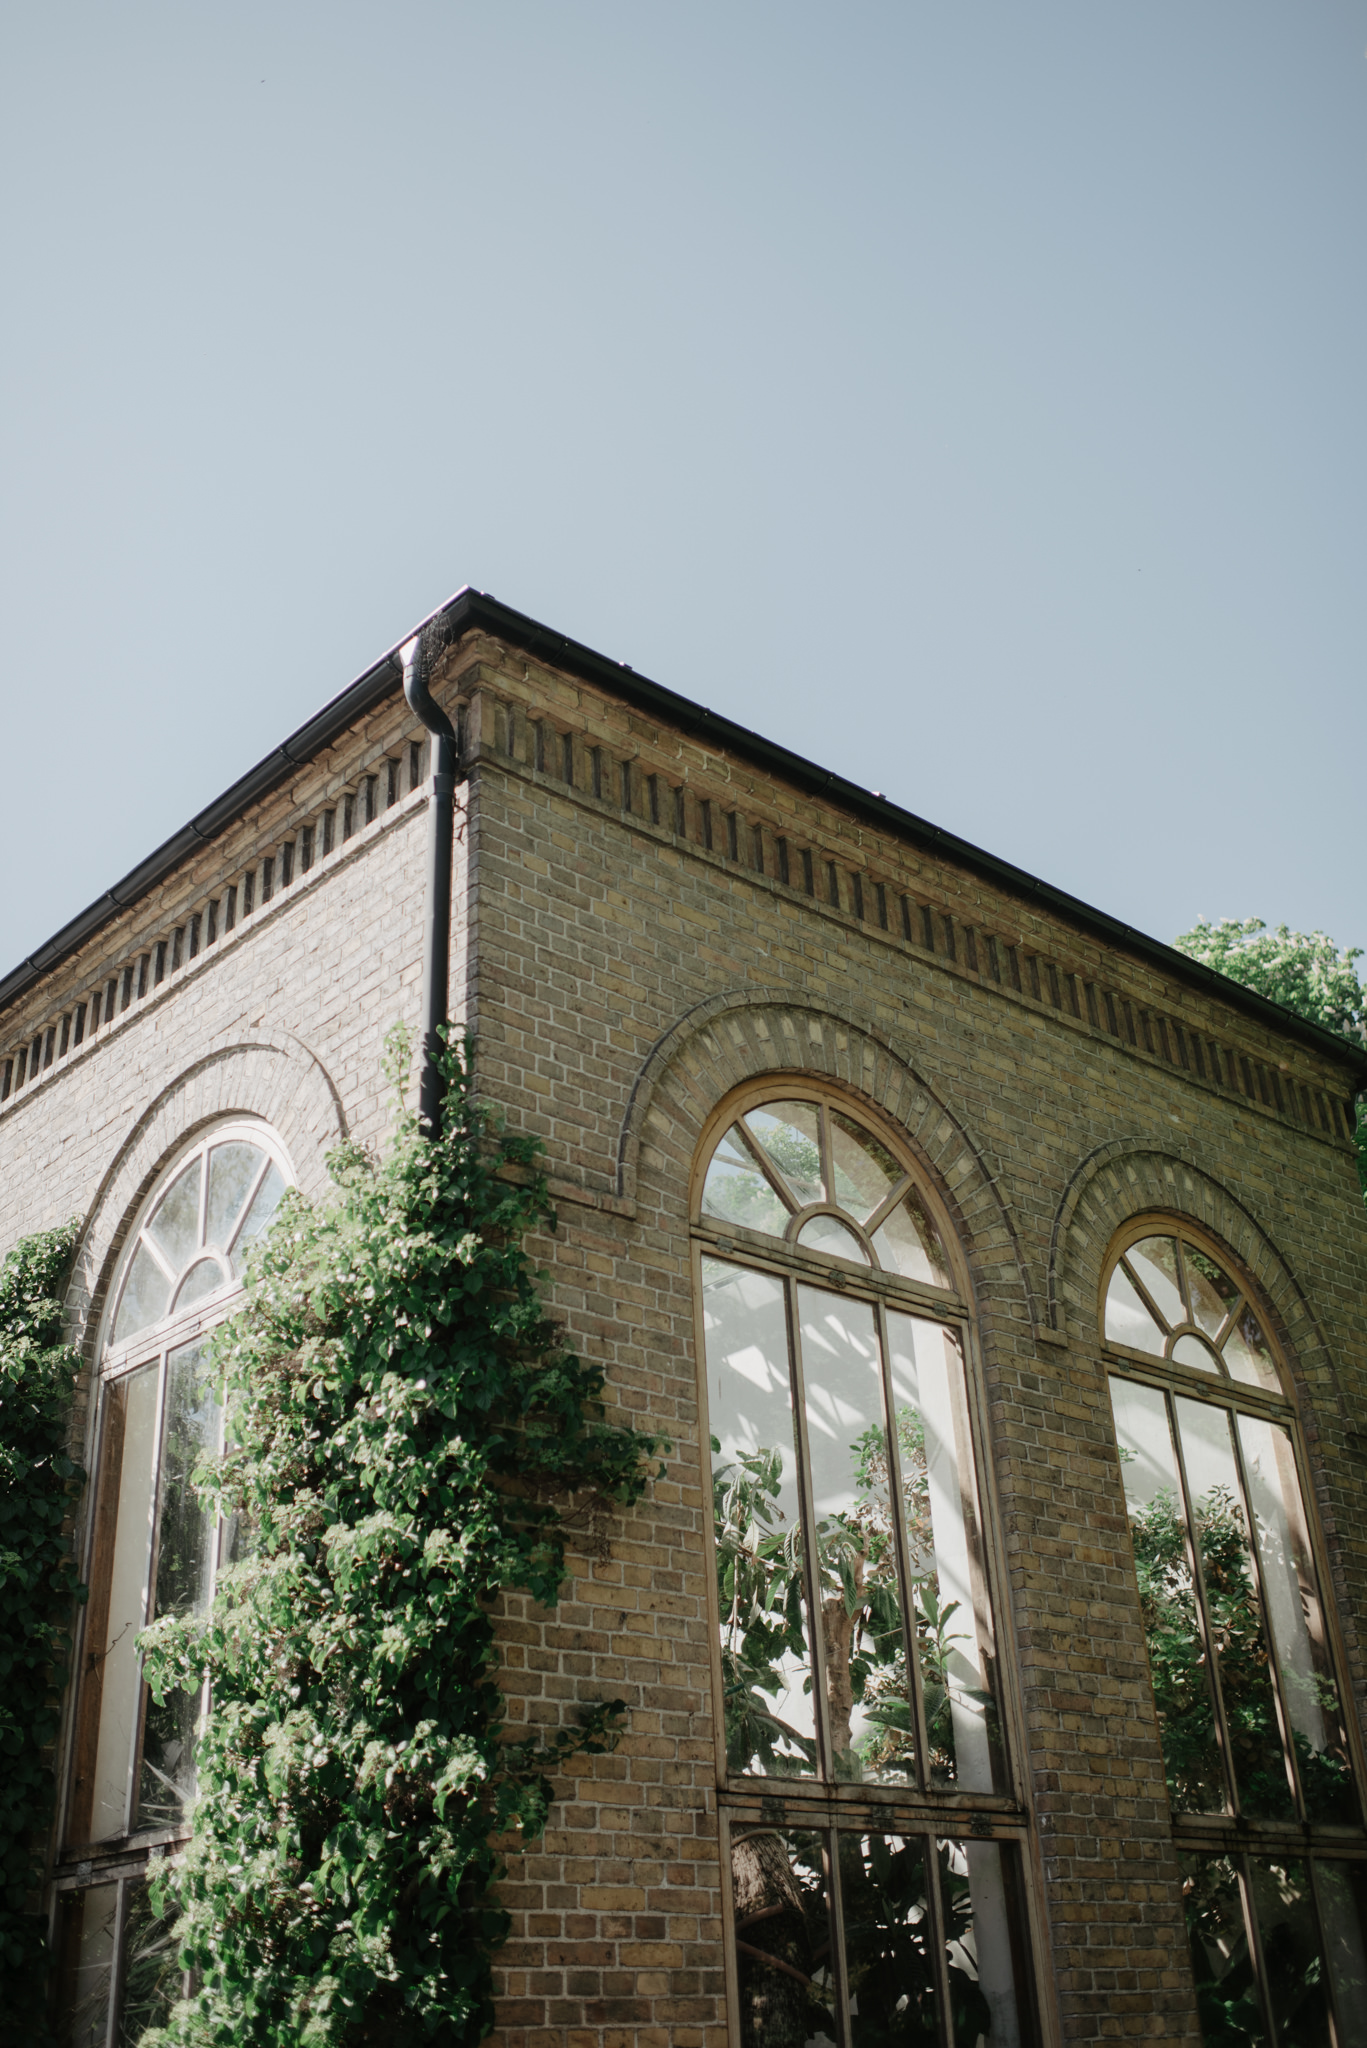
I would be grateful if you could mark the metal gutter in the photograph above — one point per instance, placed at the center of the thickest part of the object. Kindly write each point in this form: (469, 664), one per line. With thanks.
(475, 611)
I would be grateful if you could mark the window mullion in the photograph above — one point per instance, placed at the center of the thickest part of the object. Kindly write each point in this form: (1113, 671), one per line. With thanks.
(1274, 1655)
(835, 1915)
(939, 1961)
(1198, 1579)
(1142, 1291)
(811, 1557)
(899, 1537)
(889, 1202)
(757, 1152)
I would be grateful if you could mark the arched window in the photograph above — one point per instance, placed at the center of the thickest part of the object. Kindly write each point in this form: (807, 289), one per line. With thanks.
(154, 1551)
(1261, 1773)
(857, 1655)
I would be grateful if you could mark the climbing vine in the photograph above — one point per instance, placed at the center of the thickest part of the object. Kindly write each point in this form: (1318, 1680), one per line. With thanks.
(409, 1434)
(38, 1483)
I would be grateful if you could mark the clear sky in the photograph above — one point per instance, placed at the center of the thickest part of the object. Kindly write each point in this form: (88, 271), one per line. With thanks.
(970, 397)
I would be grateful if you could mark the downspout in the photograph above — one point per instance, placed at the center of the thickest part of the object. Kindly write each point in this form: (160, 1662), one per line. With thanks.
(436, 945)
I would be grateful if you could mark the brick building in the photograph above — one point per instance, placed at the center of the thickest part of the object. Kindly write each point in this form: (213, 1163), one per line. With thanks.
(998, 1249)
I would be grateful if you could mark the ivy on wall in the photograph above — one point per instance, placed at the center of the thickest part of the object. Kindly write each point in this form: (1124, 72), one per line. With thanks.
(408, 1433)
(38, 1589)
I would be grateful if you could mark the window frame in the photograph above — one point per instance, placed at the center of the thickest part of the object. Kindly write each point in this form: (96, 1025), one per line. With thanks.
(80, 1865)
(820, 1805)
(1236, 1836)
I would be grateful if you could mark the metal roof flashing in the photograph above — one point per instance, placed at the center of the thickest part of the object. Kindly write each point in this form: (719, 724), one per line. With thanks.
(476, 611)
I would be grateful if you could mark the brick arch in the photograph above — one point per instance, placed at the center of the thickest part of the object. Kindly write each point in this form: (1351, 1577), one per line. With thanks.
(745, 1033)
(267, 1074)
(1131, 1175)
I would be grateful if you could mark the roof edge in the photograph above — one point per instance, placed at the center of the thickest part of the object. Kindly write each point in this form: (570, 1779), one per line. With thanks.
(474, 610)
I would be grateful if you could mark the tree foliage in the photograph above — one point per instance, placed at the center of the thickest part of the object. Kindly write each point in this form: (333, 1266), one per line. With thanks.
(38, 1589)
(406, 1427)
(1304, 971)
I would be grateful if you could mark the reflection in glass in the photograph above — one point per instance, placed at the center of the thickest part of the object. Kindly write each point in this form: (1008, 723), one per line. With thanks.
(1292, 1592)
(203, 1278)
(828, 1234)
(1247, 1354)
(737, 1192)
(1127, 1319)
(1211, 1291)
(1340, 1890)
(1242, 1652)
(756, 1518)
(908, 1243)
(175, 1226)
(1222, 1966)
(264, 1205)
(185, 1528)
(1190, 1351)
(783, 1938)
(861, 1612)
(889, 1942)
(1293, 1962)
(1167, 1599)
(865, 1172)
(127, 1470)
(979, 1907)
(152, 1977)
(86, 2018)
(232, 1169)
(790, 1133)
(945, 1567)
(1153, 1261)
(145, 1295)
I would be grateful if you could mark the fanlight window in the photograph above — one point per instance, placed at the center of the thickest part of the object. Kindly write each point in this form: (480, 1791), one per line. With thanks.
(196, 1235)
(857, 1648)
(807, 1172)
(1241, 1658)
(157, 1550)
(1168, 1297)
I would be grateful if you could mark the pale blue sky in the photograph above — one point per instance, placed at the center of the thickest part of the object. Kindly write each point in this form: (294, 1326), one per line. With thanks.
(969, 397)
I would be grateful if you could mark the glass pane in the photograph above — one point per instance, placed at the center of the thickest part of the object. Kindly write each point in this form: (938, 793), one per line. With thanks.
(1248, 1355)
(1154, 1264)
(203, 1277)
(1192, 1352)
(1291, 1587)
(128, 1464)
(175, 1225)
(979, 1909)
(783, 1939)
(861, 1613)
(1236, 1619)
(828, 1234)
(185, 1531)
(1340, 1889)
(889, 1951)
(907, 1242)
(756, 1519)
(1167, 1600)
(264, 1205)
(145, 1294)
(790, 1135)
(865, 1172)
(738, 1192)
(152, 1974)
(1226, 1981)
(954, 1635)
(1211, 1291)
(1293, 1961)
(232, 1168)
(87, 1995)
(1127, 1319)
